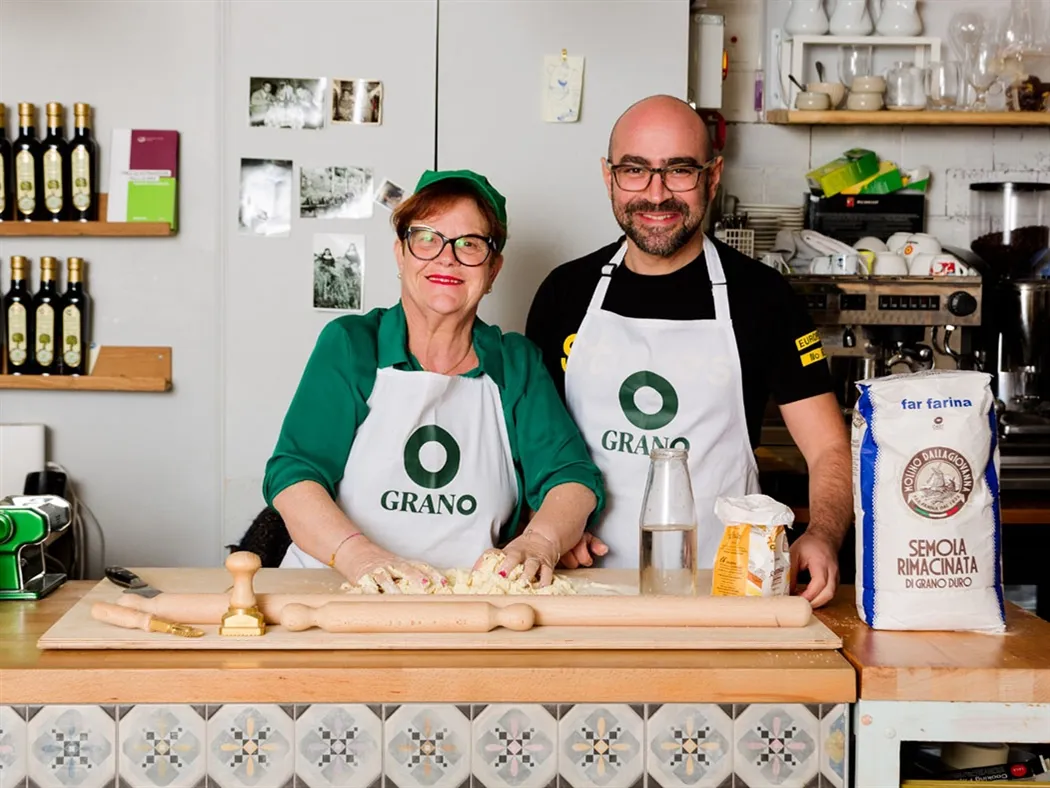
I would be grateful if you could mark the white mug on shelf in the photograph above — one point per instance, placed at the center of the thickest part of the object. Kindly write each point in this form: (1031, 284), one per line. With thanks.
(807, 18)
(851, 18)
(898, 18)
(920, 243)
(889, 264)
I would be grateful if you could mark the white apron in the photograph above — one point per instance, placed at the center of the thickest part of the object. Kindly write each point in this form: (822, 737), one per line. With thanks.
(633, 385)
(430, 475)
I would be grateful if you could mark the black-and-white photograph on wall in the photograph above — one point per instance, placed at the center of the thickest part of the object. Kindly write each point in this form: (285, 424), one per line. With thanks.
(335, 192)
(389, 194)
(286, 103)
(339, 272)
(266, 197)
(357, 101)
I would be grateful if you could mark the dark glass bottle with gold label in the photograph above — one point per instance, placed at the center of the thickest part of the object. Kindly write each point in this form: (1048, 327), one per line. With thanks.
(29, 168)
(56, 166)
(76, 314)
(45, 313)
(18, 319)
(83, 163)
(7, 164)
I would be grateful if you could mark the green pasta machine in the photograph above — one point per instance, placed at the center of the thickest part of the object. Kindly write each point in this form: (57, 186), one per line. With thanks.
(27, 523)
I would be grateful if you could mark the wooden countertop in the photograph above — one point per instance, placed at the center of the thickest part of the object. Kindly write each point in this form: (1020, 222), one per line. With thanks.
(946, 666)
(28, 675)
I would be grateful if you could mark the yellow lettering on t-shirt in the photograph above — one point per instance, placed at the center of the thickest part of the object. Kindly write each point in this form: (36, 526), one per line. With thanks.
(808, 340)
(813, 357)
(566, 348)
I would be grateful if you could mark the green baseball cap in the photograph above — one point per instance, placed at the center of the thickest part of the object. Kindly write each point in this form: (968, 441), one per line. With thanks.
(480, 182)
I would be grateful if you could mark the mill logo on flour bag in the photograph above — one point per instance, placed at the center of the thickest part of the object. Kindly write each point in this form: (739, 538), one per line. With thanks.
(926, 499)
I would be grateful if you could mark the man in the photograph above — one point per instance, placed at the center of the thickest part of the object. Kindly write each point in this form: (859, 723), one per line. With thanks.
(672, 339)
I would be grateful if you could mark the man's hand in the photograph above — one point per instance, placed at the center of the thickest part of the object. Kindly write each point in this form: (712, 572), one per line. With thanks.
(584, 551)
(819, 555)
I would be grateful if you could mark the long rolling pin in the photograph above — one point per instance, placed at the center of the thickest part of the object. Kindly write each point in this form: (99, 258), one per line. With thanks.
(562, 611)
(368, 617)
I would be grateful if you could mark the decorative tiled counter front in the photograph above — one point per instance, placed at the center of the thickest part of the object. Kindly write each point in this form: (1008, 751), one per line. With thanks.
(266, 719)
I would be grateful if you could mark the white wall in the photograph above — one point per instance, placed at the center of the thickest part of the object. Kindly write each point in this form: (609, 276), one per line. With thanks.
(147, 464)
(766, 163)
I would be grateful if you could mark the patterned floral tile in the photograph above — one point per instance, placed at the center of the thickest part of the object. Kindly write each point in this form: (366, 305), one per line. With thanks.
(834, 745)
(601, 745)
(515, 746)
(162, 746)
(338, 747)
(250, 747)
(72, 746)
(776, 746)
(426, 746)
(12, 746)
(689, 745)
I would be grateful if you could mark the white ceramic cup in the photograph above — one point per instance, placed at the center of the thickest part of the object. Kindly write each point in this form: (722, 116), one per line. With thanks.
(864, 102)
(871, 244)
(836, 91)
(919, 265)
(889, 264)
(920, 243)
(844, 264)
(868, 85)
(813, 101)
(896, 241)
(947, 265)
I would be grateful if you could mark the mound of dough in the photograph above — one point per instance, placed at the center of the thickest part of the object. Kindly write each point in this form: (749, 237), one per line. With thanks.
(483, 580)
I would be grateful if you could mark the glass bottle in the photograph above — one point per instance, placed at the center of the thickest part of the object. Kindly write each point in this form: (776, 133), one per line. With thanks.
(18, 319)
(76, 316)
(44, 308)
(667, 548)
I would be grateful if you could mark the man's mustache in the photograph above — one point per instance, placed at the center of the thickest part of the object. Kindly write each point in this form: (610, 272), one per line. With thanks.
(667, 206)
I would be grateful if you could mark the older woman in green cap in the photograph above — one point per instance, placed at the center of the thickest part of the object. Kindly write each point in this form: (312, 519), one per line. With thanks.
(418, 433)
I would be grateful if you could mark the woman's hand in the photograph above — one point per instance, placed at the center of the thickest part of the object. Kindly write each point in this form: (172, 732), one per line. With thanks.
(368, 561)
(584, 551)
(537, 553)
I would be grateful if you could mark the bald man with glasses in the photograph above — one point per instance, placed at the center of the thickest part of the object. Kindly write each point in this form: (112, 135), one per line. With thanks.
(667, 338)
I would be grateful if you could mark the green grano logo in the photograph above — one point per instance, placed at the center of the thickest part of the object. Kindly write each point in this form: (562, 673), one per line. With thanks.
(431, 480)
(668, 400)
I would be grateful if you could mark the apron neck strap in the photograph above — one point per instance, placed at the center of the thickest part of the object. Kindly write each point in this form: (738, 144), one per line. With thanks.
(717, 275)
(598, 297)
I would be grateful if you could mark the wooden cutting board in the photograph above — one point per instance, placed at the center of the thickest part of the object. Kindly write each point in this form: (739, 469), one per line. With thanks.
(77, 630)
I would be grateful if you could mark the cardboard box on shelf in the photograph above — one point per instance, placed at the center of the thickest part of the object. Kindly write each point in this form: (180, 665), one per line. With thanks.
(854, 166)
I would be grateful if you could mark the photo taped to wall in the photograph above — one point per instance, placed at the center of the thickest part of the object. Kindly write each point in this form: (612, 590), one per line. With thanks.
(389, 194)
(335, 192)
(357, 101)
(339, 272)
(286, 103)
(266, 197)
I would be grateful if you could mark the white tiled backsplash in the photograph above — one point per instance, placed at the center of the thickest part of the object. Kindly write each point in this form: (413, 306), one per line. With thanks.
(766, 163)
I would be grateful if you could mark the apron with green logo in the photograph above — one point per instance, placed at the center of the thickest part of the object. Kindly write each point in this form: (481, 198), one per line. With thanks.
(634, 385)
(430, 475)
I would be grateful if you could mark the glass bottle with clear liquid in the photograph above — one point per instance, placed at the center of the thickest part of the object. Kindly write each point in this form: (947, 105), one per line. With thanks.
(667, 564)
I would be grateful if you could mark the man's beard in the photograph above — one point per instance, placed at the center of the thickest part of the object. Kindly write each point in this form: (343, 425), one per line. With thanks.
(654, 241)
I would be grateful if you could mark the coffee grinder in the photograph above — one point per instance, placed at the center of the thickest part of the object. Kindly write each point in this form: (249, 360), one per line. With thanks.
(27, 524)
(1010, 227)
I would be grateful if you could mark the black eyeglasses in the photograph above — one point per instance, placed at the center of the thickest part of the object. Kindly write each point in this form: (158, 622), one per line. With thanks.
(633, 177)
(427, 244)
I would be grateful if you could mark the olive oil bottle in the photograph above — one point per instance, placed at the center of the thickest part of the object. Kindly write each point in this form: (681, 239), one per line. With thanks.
(56, 166)
(6, 171)
(83, 162)
(29, 168)
(45, 305)
(18, 319)
(76, 314)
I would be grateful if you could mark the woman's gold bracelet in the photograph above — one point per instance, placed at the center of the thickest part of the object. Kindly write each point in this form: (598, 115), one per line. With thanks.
(331, 561)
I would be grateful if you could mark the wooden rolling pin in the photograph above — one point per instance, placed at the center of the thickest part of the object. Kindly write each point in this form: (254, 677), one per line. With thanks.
(551, 611)
(129, 618)
(369, 617)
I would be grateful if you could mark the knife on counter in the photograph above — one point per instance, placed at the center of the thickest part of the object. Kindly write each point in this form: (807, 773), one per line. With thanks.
(131, 582)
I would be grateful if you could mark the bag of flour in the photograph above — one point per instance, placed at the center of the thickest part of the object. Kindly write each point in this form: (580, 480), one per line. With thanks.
(753, 557)
(926, 500)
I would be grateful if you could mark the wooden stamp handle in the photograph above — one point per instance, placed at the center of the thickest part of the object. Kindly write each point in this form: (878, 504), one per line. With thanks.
(243, 565)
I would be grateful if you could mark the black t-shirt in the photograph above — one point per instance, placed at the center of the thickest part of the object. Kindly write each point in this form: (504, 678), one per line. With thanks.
(780, 354)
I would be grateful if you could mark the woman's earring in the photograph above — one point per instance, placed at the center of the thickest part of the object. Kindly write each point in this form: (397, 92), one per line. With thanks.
(398, 274)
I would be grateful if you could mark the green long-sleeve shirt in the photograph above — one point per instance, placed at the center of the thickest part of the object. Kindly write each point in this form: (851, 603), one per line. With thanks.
(331, 402)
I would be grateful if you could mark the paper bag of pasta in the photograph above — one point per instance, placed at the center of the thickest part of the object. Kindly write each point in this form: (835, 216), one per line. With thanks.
(753, 557)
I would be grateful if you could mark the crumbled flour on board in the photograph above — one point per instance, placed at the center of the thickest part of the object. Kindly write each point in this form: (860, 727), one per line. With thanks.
(926, 499)
(483, 580)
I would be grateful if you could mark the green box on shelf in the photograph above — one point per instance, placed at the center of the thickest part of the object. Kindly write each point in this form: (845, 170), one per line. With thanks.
(854, 166)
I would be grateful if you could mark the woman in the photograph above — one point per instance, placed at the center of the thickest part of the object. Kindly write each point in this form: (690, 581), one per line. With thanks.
(417, 432)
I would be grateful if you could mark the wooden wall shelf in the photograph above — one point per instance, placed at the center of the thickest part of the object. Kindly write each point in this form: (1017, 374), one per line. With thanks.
(844, 117)
(141, 369)
(99, 229)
